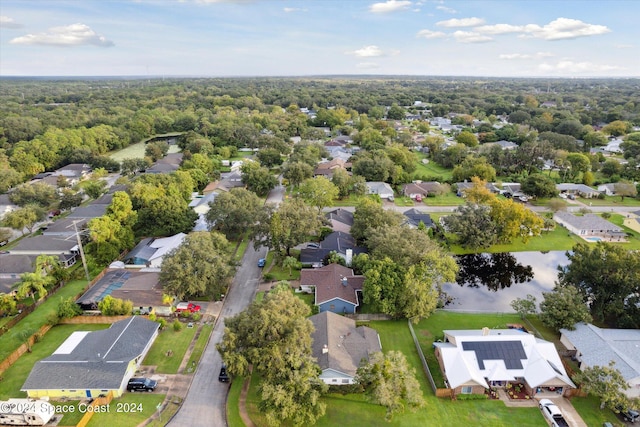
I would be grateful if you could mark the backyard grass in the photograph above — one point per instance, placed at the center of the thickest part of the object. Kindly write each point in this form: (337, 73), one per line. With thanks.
(201, 342)
(308, 299)
(558, 239)
(273, 268)
(431, 170)
(13, 339)
(15, 376)
(128, 417)
(168, 339)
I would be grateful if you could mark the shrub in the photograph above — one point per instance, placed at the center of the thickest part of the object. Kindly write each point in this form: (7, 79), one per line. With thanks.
(268, 277)
(162, 322)
(196, 316)
(153, 317)
(472, 397)
(177, 325)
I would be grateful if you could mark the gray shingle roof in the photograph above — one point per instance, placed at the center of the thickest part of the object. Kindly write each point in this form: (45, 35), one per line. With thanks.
(99, 361)
(346, 344)
(587, 222)
(600, 346)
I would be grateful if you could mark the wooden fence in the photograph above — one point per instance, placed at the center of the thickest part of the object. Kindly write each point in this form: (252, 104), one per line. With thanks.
(85, 319)
(10, 360)
(99, 401)
(425, 366)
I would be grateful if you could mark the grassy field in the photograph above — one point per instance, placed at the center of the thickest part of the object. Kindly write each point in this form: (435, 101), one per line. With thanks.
(15, 376)
(13, 339)
(136, 151)
(276, 271)
(168, 339)
(431, 170)
(198, 348)
(403, 201)
(612, 201)
(448, 199)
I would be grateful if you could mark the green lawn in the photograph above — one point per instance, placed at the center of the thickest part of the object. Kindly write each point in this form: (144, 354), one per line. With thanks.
(403, 201)
(198, 348)
(129, 410)
(448, 199)
(589, 409)
(351, 200)
(275, 269)
(612, 201)
(12, 339)
(168, 339)
(431, 171)
(15, 376)
(233, 403)
(241, 248)
(308, 299)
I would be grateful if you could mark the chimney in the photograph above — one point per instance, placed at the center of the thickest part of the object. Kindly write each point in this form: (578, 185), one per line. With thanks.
(485, 331)
(348, 257)
(325, 349)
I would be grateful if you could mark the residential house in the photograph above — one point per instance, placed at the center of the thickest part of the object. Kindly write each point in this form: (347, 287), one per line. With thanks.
(340, 152)
(472, 361)
(169, 163)
(340, 346)
(151, 251)
(89, 364)
(464, 186)
(229, 180)
(326, 169)
(613, 146)
(11, 267)
(336, 288)
(590, 227)
(142, 287)
(65, 247)
(594, 346)
(74, 172)
(201, 205)
(382, 189)
(422, 189)
(414, 217)
(607, 189)
(578, 190)
(340, 220)
(343, 244)
(505, 145)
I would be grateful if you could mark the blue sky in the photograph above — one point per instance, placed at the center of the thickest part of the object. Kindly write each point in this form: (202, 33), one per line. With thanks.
(517, 38)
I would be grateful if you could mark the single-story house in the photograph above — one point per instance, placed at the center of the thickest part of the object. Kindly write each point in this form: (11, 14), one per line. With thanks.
(229, 180)
(505, 145)
(74, 171)
(340, 346)
(422, 189)
(327, 168)
(590, 227)
(464, 186)
(578, 189)
(336, 288)
(142, 287)
(169, 163)
(11, 267)
(413, 218)
(382, 189)
(607, 189)
(151, 251)
(66, 248)
(340, 219)
(88, 364)
(598, 346)
(472, 361)
(339, 242)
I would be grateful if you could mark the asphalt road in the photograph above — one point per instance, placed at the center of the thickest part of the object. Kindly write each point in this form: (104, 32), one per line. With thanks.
(206, 400)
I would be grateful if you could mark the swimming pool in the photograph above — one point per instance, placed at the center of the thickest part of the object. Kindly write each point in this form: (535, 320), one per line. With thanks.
(593, 239)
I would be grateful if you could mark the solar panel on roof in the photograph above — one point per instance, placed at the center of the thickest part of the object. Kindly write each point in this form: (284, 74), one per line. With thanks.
(511, 352)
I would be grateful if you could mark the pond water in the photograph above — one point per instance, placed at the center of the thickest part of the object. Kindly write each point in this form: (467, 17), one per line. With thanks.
(489, 282)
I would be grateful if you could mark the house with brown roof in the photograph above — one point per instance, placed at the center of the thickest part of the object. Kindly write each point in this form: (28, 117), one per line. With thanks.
(422, 189)
(327, 168)
(339, 346)
(336, 288)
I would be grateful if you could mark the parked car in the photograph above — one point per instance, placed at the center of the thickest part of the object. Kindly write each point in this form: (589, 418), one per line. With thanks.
(630, 415)
(223, 377)
(313, 245)
(419, 198)
(261, 262)
(187, 307)
(141, 384)
(552, 413)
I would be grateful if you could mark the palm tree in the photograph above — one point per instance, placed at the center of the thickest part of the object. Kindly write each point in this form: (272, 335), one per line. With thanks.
(32, 283)
(290, 263)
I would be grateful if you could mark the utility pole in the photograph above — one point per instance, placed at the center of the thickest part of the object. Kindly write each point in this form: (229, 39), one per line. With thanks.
(84, 261)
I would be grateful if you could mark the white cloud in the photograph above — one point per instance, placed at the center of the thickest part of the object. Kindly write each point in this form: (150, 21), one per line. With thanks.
(463, 22)
(389, 6)
(470, 37)
(6, 22)
(367, 52)
(70, 35)
(499, 29)
(572, 67)
(446, 9)
(428, 34)
(536, 55)
(564, 28)
(294, 9)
